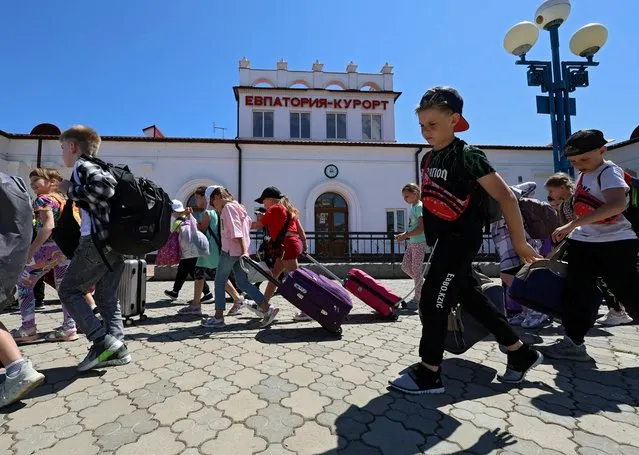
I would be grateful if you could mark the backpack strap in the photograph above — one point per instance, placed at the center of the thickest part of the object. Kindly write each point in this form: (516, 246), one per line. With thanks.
(277, 242)
(599, 176)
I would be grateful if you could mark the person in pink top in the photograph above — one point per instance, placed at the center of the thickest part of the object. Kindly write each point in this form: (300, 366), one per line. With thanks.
(235, 239)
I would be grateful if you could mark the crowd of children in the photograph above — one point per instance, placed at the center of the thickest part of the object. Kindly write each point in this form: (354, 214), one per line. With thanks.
(449, 212)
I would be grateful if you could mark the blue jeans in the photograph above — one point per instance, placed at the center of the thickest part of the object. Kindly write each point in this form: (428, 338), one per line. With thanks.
(85, 270)
(232, 264)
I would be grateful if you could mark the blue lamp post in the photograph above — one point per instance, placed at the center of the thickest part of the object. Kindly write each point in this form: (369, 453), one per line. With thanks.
(556, 78)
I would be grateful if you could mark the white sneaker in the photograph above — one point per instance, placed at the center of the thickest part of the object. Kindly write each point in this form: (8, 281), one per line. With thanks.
(302, 317)
(269, 316)
(12, 389)
(213, 323)
(236, 309)
(615, 317)
(254, 307)
(534, 320)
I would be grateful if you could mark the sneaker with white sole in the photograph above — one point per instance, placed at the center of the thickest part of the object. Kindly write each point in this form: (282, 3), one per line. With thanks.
(254, 308)
(269, 316)
(105, 353)
(519, 363)
(22, 335)
(13, 389)
(236, 309)
(565, 348)
(418, 380)
(213, 323)
(535, 320)
(302, 317)
(62, 334)
(208, 298)
(614, 318)
(517, 319)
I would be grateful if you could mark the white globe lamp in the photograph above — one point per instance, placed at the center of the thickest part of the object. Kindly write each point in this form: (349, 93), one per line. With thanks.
(587, 41)
(521, 38)
(552, 13)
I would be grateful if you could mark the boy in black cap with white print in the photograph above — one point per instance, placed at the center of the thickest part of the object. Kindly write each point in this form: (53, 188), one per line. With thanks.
(455, 180)
(601, 241)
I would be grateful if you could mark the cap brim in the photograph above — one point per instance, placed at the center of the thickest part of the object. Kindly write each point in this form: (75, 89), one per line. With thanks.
(608, 141)
(462, 125)
(259, 200)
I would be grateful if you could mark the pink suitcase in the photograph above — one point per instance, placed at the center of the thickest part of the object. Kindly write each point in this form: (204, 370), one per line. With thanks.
(368, 290)
(372, 293)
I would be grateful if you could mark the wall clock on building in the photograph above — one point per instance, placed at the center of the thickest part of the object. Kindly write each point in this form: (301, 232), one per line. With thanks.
(331, 171)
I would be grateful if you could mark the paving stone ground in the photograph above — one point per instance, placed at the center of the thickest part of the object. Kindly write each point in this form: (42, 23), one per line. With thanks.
(295, 389)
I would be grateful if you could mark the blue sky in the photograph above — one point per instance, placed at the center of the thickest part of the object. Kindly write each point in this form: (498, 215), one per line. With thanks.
(122, 65)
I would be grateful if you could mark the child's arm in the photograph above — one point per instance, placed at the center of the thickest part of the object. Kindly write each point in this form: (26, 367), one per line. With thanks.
(615, 204)
(499, 190)
(46, 217)
(204, 223)
(418, 230)
(98, 185)
(302, 234)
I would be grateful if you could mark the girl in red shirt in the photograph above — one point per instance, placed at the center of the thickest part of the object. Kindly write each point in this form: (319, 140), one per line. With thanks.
(278, 207)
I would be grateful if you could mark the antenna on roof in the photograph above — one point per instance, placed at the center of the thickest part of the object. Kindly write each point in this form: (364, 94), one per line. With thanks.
(215, 128)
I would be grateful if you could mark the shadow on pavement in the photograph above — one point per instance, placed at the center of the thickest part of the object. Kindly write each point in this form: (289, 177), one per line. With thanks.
(399, 424)
(584, 390)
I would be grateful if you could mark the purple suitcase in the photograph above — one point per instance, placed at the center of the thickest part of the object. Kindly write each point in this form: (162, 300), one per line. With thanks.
(323, 300)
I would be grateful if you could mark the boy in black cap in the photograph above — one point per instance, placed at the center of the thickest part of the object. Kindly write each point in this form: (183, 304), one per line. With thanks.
(601, 241)
(456, 181)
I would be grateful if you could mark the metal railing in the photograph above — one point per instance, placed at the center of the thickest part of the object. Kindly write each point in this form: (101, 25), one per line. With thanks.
(366, 247)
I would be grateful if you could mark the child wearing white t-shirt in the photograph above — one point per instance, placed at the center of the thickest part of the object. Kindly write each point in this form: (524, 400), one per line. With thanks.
(601, 241)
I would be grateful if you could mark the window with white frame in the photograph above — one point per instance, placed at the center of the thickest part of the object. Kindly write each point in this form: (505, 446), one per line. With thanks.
(335, 126)
(371, 127)
(263, 124)
(300, 125)
(395, 220)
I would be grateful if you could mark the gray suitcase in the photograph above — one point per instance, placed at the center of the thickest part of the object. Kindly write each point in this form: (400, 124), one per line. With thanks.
(132, 290)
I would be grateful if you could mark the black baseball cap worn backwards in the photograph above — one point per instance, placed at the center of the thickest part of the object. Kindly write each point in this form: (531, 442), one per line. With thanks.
(269, 192)
(584, 141)
(446, 96)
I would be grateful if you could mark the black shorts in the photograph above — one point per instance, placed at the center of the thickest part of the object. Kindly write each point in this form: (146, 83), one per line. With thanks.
(204, 273)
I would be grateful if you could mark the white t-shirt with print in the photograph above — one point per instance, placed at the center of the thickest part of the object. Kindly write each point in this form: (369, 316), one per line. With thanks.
(611, 176)
(85, 218)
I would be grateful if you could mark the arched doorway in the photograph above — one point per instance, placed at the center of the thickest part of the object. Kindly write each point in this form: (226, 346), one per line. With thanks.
(331, 226)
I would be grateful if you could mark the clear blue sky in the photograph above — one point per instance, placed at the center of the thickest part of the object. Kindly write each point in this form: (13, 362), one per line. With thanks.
(122, 65)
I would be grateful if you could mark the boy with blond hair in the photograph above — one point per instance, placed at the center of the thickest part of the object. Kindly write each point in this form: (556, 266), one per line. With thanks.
(94, 262)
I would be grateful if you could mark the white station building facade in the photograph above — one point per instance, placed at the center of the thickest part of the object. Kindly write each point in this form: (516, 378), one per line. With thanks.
(326, 139)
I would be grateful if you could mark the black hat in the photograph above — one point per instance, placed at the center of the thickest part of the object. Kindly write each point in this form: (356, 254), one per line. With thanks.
(584, 141)
(447, 96)
(270, 192)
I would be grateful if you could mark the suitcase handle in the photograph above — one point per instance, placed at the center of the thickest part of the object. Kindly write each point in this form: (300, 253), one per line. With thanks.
(323, 267)
(255, 265)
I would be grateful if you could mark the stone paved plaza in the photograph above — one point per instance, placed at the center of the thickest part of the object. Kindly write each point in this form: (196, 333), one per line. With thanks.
(295, 389)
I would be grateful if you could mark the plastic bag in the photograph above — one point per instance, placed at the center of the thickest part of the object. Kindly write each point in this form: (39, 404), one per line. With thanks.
(193, 243)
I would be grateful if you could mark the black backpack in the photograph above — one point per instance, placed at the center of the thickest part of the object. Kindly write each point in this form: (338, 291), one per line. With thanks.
(140, 218)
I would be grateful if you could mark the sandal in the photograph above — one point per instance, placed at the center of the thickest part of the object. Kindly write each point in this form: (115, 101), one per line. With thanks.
(22, 335)
(191, 310)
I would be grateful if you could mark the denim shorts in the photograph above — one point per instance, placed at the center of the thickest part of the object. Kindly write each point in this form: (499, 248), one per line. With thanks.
(204, 273)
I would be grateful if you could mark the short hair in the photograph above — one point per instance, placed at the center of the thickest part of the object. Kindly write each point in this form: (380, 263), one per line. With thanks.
(54, 174)
(46, 173)
(412, 188)
(200, 191)
(560, 179)
(440, 107)
(223, 193)
(86, 139)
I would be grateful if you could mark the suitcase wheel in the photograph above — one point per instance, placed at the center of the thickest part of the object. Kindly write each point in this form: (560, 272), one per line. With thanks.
(128, 322)
(404, 304)
(393, 317)
(143, 317)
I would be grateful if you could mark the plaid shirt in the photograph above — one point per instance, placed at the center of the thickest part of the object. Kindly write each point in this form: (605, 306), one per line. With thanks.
(91, 188)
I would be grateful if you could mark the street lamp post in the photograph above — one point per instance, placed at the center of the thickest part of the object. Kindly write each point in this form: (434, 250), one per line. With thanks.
(556, 78)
